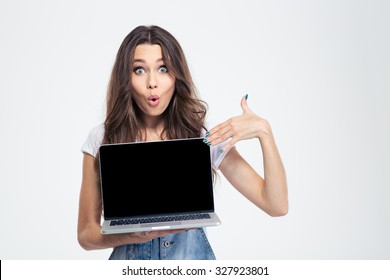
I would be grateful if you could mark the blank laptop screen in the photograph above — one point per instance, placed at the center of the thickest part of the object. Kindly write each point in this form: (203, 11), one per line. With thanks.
(149, 178)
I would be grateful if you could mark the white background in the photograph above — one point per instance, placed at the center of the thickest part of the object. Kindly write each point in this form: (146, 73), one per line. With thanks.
(318, 71)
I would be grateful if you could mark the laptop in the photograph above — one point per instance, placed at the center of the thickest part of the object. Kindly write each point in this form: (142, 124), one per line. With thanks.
(157, 185)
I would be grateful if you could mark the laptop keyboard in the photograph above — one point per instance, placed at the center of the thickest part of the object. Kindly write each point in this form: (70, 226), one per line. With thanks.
(159, 219)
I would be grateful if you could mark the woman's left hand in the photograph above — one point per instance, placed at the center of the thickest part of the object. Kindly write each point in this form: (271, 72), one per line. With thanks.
(246, 126)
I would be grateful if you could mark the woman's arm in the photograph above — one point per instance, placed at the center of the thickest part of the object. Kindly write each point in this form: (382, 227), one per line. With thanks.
(269, 194)
(90, 211)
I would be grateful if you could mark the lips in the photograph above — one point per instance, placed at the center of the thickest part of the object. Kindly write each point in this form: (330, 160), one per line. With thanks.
(153, 100)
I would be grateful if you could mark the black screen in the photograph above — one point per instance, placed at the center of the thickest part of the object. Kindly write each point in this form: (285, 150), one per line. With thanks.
(163, 177)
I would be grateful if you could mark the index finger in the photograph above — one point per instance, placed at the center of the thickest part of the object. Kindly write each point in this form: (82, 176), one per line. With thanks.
(217, 128)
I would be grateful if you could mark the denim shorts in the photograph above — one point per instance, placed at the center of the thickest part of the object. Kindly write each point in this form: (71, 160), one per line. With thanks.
(187, 245)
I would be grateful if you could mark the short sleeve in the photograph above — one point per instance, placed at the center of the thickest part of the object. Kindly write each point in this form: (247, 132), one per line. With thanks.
(216, 155)
(93, 141)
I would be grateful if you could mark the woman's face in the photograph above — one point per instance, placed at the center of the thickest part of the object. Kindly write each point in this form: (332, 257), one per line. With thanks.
(153, 84)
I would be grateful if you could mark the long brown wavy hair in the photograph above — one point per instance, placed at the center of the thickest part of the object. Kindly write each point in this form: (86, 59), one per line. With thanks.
(185, 114)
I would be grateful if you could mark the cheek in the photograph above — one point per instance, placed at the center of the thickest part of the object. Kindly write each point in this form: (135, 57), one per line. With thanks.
(169, 83)
(138, 92)
(137, 85)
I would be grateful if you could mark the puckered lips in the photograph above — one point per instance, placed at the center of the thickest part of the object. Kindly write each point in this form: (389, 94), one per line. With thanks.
(153, 100)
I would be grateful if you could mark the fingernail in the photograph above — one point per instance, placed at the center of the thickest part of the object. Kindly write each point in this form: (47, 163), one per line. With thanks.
(204, 140)
(220, 151)
(246, 97)
(207, 133)
(208, 143)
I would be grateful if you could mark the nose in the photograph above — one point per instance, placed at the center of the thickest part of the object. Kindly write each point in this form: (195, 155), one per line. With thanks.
(152, 82)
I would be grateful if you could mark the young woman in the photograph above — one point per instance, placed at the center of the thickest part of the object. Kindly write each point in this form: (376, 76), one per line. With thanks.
(151, 96)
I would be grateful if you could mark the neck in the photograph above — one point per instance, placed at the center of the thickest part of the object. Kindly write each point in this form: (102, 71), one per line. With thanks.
(154, 127)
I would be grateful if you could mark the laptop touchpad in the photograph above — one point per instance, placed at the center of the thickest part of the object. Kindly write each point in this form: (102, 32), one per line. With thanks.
(161, 224)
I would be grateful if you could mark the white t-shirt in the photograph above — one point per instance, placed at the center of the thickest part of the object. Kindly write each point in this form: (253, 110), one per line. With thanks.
(95, 138)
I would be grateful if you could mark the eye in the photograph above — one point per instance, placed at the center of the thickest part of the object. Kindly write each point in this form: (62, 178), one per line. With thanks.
(163, 69)
(139, 70)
